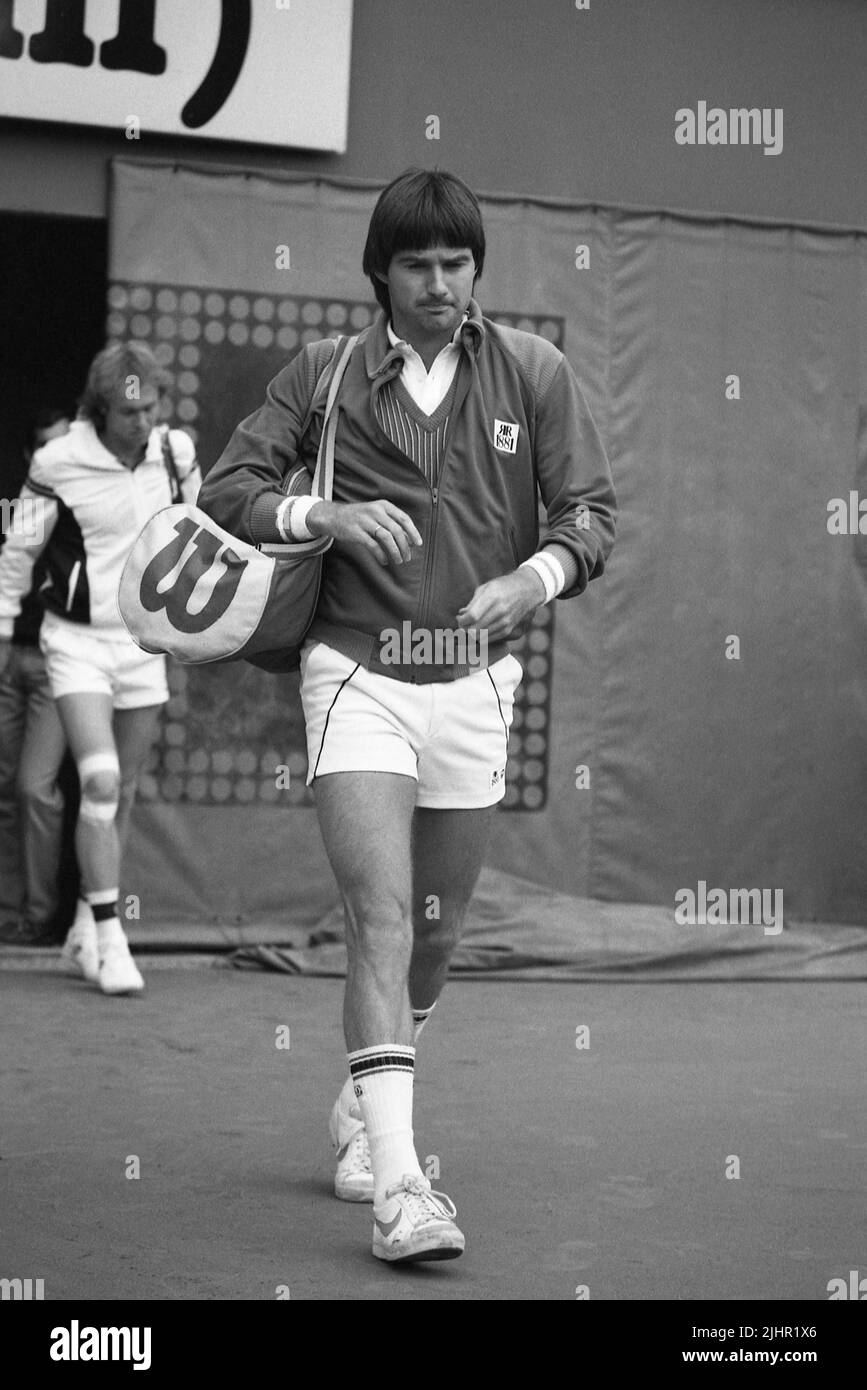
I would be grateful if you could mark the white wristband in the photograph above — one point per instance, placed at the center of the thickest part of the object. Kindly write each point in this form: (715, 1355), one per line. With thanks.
(298, 517)
(549, 570)
(280, 519)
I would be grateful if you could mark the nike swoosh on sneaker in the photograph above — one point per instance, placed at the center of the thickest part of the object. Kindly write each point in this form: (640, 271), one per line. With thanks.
(386, 1227)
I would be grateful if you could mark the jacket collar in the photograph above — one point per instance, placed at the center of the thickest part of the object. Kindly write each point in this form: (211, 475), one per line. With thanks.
(97, 455)
(381, 359)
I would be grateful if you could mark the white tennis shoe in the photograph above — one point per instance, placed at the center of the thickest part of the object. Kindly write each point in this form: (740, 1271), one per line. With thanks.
(118, 972)
(80, 952)
(416, 1223)
(353, 1180)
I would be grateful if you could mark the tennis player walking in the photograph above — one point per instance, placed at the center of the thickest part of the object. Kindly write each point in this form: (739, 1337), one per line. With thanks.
(450, 428)
(89, 493)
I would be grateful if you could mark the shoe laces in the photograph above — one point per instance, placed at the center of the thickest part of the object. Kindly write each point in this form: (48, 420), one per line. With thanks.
(422, 1200)
(358, 1152)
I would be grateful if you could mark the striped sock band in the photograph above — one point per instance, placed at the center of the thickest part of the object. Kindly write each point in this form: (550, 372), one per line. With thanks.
(371, 1061)
(103, 903)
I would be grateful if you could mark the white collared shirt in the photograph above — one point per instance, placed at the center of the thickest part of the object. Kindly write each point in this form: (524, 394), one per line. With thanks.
(429, 388)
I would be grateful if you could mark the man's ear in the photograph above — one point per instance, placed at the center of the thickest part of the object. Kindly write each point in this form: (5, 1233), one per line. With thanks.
(379, 275)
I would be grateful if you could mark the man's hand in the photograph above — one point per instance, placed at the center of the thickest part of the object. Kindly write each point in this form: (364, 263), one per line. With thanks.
(381, 527)
(503, 604)
(5, 653)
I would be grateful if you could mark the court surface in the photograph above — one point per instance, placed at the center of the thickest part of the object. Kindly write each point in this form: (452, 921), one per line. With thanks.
(601, 1166)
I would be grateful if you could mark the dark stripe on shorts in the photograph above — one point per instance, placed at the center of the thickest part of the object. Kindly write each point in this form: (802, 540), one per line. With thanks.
(499, 706)
(328, 715)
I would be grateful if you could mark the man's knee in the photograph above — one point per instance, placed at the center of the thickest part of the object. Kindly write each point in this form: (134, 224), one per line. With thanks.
(371, 903)
(99, 774)
(377, 917)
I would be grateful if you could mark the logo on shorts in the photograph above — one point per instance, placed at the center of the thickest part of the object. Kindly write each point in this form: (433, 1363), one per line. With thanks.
(498, 776)
(505, 436)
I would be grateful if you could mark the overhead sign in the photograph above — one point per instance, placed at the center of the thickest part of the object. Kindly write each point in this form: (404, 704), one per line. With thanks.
(271, 72)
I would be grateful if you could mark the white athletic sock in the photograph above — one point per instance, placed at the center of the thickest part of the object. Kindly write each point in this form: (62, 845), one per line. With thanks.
(109, 933)
(382, 1080)
(103, 905)
(347, 1101)
(419, 1019)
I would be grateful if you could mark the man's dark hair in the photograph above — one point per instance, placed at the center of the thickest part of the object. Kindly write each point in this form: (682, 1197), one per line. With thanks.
(419, 209)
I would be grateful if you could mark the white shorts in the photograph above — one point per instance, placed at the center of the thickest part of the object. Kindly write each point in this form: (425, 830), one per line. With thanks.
(77, 662)
(451, 736)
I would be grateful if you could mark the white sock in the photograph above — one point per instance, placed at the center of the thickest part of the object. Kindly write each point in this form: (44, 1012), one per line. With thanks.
(109, 933)
(103, 905)
(419, 1019)
(347, 1099)
(382, 1081)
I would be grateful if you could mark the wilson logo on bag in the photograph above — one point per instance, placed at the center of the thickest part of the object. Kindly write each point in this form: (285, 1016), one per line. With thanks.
(194, 591)
(195, 571)
(191, 590)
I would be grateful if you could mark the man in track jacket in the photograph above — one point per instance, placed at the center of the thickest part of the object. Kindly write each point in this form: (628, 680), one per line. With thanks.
(451, 428)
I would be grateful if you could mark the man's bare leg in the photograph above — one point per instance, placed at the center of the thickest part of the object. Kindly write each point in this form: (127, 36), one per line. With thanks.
(448, 848)
(366, 821)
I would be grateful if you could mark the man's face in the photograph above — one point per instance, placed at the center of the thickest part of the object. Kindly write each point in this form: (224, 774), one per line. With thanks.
(128, 423)
(429, 291)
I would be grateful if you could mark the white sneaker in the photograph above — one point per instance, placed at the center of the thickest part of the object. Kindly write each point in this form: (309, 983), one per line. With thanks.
(79, 952)
(353, 1181)
(118, 972)
(415, 1223)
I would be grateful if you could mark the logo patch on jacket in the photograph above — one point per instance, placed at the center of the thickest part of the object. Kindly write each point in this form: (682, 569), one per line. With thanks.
(505, 436)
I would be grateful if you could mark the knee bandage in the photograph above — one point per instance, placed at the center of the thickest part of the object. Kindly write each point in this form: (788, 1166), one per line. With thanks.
(98, 811)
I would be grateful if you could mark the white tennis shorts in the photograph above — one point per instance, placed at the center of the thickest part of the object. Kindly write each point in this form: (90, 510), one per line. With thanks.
(451, 736)
(78, 663)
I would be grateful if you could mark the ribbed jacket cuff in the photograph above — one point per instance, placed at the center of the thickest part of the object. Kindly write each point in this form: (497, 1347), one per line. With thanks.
(263, 519)
(569, 565)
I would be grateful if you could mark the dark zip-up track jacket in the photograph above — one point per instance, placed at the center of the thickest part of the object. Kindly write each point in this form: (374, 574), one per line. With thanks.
(479, 523)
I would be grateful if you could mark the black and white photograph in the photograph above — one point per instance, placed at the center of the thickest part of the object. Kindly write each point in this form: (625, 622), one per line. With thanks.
(433, 670)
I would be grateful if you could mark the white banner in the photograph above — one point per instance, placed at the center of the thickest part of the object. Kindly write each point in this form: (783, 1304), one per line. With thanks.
(271, 72)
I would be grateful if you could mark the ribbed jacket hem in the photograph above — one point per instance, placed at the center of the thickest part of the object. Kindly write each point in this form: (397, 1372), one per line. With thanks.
(363, 648)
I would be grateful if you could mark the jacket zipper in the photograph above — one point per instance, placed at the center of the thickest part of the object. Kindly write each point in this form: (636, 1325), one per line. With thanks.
(428, 568)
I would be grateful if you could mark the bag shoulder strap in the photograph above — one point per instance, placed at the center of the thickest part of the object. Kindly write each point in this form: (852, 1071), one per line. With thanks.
(171, 465)
(322, 381)
(320, 387)
(323, 478)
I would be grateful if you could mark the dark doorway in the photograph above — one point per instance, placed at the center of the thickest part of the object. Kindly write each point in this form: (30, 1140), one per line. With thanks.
(53, 322)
